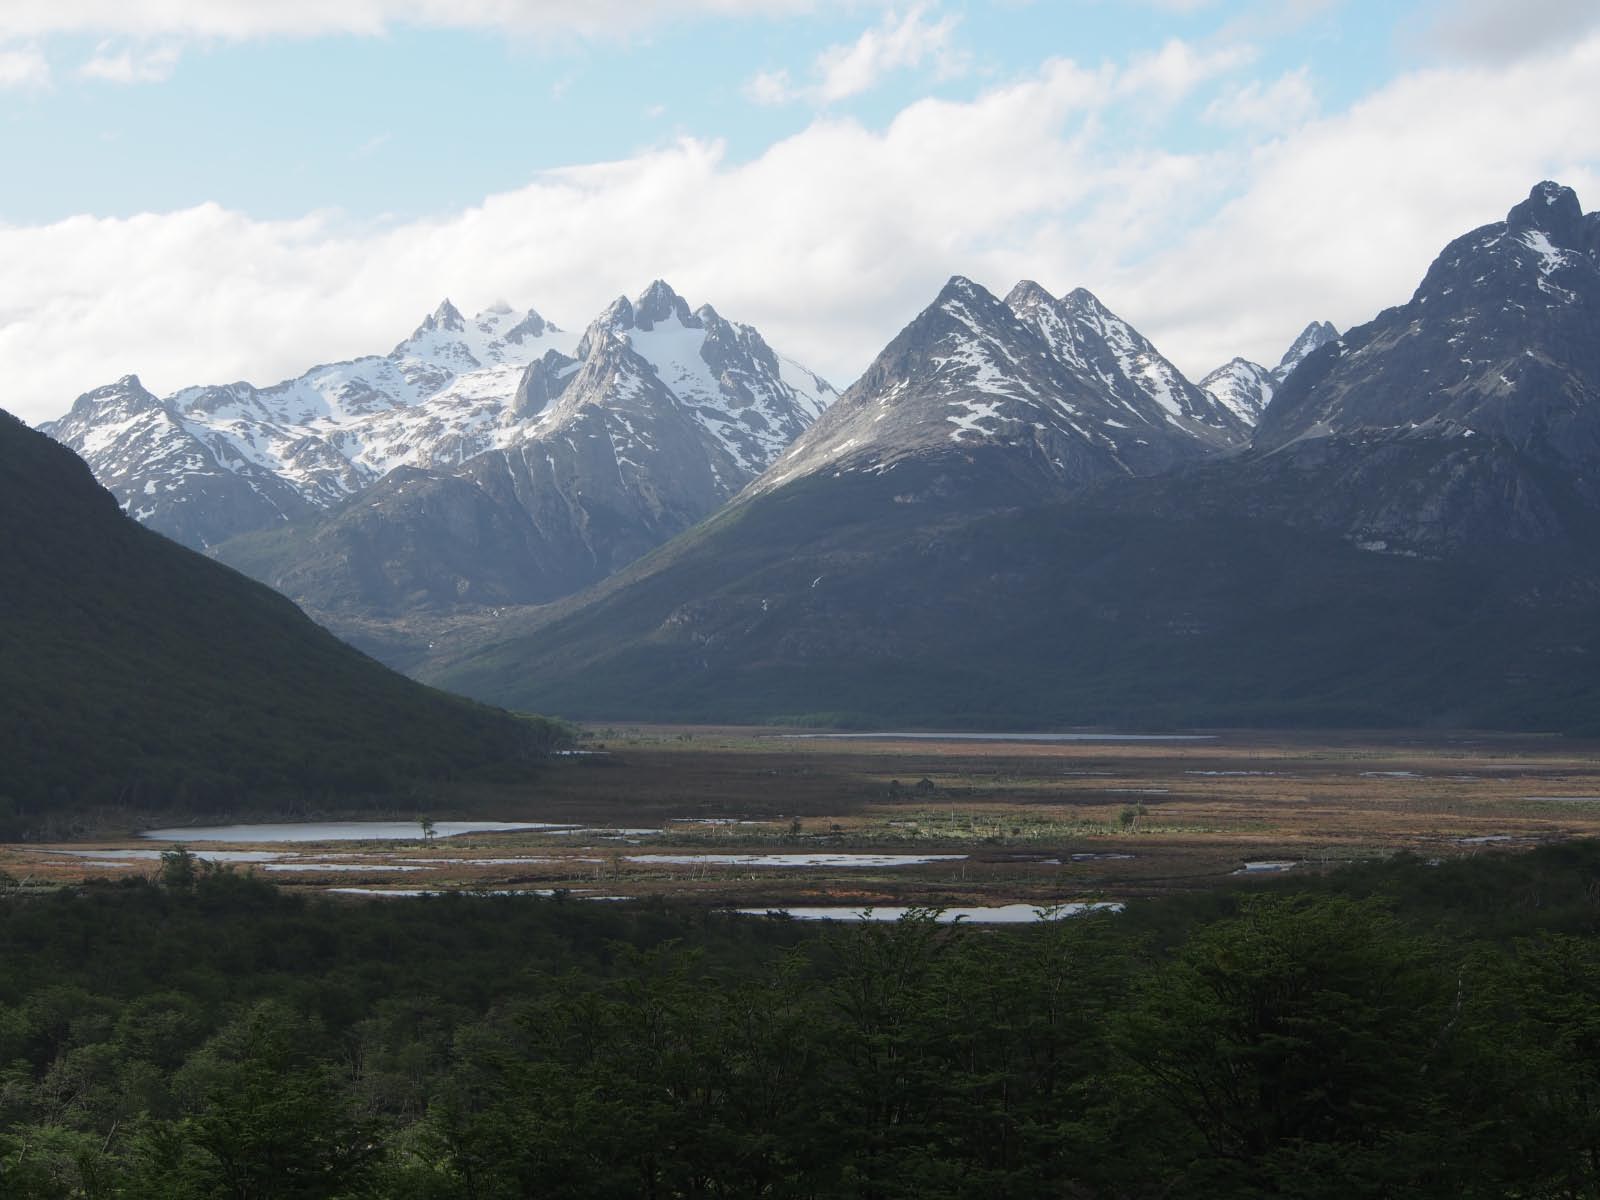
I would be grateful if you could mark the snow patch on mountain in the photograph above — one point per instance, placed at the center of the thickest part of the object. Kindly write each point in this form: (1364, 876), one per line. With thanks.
(1551, 258)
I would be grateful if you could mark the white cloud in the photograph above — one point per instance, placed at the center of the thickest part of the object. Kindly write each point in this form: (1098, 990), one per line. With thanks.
(1282, 104)
(829, 270)
(1504, 30)
(23, 68)
(769, 87)
(265, 18)
(1177, 69)
(832, 239)
(152, 65)
(901, 41)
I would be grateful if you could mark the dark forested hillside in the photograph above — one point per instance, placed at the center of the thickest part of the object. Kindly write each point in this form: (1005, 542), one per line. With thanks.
(136, 673)
(1154, 603)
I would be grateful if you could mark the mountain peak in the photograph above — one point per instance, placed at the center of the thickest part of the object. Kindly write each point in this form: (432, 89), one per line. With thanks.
(1485, 345)
(532, 325)
(1084, 300)
(1027, 295)
(961, 290)
(611, 325)
(446, 316)
(659, 302)
(1242, 387)
(1313, 337)
(128, 388)
(1550, 208)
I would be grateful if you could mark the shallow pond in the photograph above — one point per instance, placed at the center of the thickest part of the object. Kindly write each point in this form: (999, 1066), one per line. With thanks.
(1004, 737)
(339, 831)
(1266, 868)
(1004, 914)
(341, 866)
(413, 893)
(794, 860)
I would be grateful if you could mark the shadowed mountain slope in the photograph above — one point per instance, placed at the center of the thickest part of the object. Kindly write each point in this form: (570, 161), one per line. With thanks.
(138, 674)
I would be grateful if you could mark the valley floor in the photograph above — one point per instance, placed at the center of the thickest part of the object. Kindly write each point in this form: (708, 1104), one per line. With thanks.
(762, 818)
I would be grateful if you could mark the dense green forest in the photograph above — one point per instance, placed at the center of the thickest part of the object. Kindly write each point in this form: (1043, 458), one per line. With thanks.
(1395, 1030)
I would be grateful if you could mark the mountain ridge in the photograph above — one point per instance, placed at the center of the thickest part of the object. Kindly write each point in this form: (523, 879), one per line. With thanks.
(1359, 563)
(454, 388)
(658, 417)
(1064, 382)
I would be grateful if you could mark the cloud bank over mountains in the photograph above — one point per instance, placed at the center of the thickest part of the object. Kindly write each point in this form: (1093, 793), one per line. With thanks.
(831, 238)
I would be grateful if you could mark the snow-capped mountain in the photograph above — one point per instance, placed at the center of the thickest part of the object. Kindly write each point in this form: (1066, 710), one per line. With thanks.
(207, 463)
(1072, 387)
(724, 376)
(655, 419)
(1242, 387)
(308, 442)
(168, 472)
(1245, 388)
(1413, 536)
(1085, 333)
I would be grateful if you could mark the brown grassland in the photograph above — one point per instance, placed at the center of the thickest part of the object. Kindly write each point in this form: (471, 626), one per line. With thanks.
(1035, 823)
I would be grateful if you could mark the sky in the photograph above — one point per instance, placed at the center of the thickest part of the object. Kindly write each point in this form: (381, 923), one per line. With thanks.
(201, 191)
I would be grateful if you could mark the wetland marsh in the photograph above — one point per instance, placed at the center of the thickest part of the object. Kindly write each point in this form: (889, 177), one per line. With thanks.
(761, 818)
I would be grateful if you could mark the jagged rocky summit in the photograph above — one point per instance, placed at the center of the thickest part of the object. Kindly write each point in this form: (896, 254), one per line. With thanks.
(644, 425)
(208, 463)
(486, 461)
(1063, 387)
